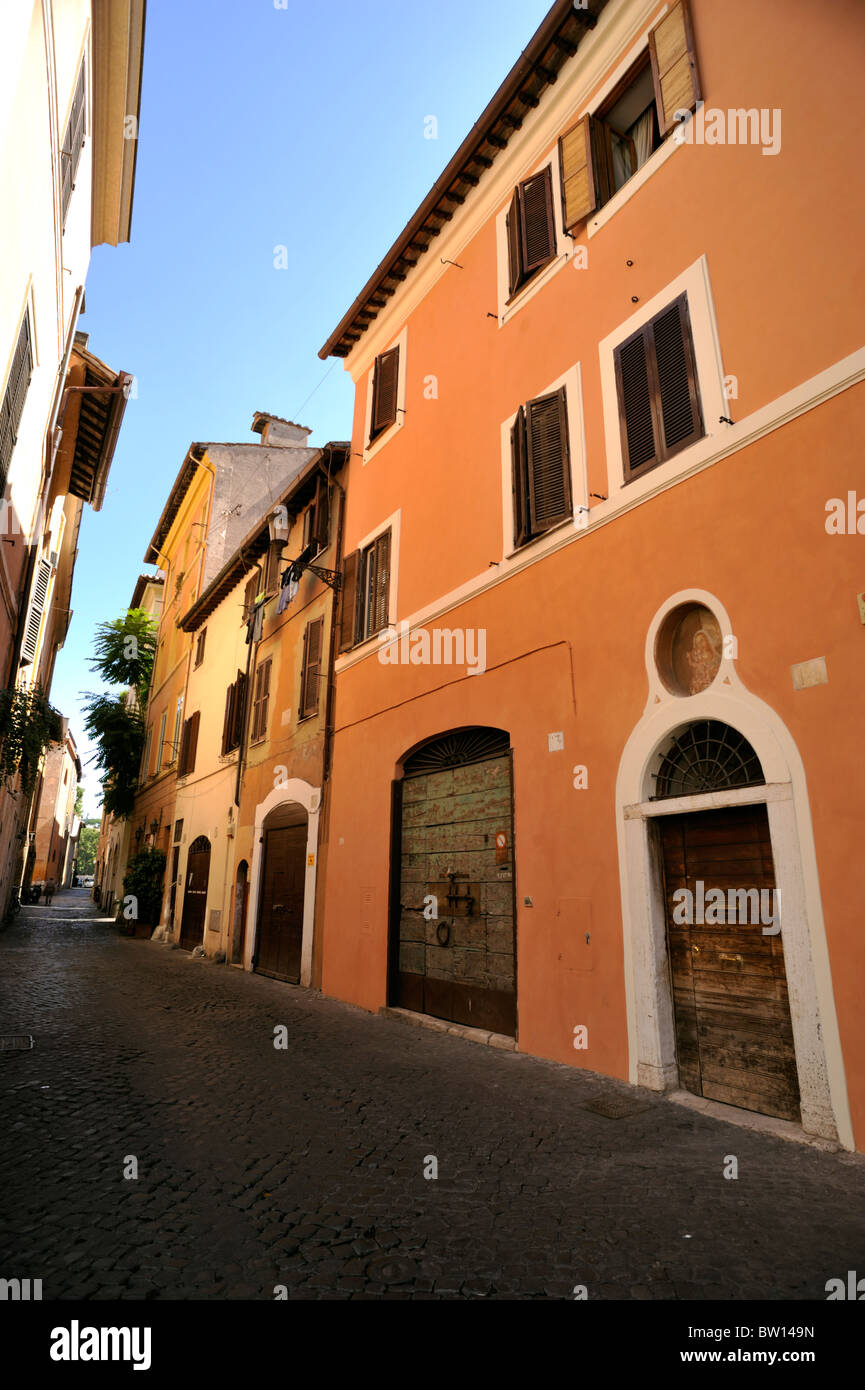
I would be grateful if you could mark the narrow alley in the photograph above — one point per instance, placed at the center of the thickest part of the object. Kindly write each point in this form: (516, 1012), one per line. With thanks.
(300, 1171)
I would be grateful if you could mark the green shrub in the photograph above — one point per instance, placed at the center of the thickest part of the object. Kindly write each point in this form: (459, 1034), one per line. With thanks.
(143, 880)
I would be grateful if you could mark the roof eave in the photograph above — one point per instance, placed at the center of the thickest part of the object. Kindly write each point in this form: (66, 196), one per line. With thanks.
(469, 152)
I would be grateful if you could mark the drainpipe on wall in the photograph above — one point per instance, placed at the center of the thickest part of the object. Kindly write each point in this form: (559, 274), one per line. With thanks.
(331, 678)
(241, 747)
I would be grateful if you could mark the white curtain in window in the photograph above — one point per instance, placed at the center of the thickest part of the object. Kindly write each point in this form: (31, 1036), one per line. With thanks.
(641, 134)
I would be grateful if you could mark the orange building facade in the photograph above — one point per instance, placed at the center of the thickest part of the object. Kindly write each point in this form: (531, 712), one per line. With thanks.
(595, 781)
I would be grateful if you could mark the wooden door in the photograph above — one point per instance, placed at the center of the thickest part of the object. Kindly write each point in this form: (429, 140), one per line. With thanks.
(733, 1032)
(280, 915)
(456, 860)
(241, 899)
(172, 900)
(195, 894)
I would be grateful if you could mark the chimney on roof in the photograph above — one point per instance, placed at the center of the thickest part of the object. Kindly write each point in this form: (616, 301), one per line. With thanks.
(274, 430)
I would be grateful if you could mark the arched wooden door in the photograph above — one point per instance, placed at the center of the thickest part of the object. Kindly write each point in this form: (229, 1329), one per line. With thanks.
(453, 939)
(195, 893)
(734, 1036)
(241, 899)
(279, 942)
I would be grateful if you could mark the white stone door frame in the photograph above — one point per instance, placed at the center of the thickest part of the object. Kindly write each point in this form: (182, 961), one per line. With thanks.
(649, 1003)
(298, 793)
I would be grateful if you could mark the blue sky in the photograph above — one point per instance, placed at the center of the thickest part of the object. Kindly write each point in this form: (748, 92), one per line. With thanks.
(300, 126)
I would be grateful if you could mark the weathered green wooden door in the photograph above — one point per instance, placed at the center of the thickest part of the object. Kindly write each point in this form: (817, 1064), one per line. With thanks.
(455, 956)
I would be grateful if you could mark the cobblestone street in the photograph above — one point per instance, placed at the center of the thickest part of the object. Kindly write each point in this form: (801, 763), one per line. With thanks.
(304, 1167)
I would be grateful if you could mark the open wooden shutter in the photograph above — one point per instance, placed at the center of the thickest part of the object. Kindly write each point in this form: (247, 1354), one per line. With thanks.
(380, 588)
(12, 404)
(674, 65)
(681, 417)
(515, 270)
(37, 609)
(311, 669)
(240, 685)
(549, 465)
(184, 751)
(73, 141)
(272, 566)
(635, 387)
(320, 512)
(579, 195)
(249, 593)
(519, 479)
(192, 746)
(537, 227)
(348, 601)
(228, 720)
(385, 382)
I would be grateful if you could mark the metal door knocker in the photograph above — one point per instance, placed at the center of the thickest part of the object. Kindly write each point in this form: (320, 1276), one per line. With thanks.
(443, 933)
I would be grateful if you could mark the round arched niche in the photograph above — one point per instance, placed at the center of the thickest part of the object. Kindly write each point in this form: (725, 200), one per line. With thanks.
(688, 649)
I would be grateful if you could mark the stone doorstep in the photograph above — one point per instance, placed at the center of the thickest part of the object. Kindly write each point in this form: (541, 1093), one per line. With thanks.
(751, 1119)
(457, 1030)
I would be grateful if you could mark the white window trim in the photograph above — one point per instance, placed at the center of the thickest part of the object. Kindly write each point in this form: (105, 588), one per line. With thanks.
(572, 382)
(656, 159)
(710, 383)
(370, 450)
(159, 752)
(564, 245)
(370, 643)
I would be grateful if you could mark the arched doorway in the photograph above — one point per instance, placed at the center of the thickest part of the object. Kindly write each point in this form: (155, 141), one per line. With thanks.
(452, 932)
(195, 893)
(706, 746)
(734, 1036)
(279, 938)
(241, 894)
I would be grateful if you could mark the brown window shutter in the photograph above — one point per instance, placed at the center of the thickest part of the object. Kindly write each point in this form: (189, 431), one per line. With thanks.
(380, 586)
(579, 194)
(321, 513)
(519, 478)
(674, 65)
(260, 701)
(549, 464)
(635, 386)
(515, 269)
(303, 669)
(537, 227)
(656, 382)
(228, 720)
(681, 417)
(253, 584)
(385, 383)
(184, 750)
(311, 669)
(271, 574)
(239, 709)
(348, 601)
(192, 749)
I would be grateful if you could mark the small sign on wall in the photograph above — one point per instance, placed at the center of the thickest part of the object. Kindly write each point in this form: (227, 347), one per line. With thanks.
(310, 861)
(808, 673)
(503, 854)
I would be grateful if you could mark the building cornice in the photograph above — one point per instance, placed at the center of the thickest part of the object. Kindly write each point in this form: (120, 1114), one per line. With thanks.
(118, 53)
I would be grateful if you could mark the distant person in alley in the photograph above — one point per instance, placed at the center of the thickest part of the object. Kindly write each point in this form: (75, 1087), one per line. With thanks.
(50, 886)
